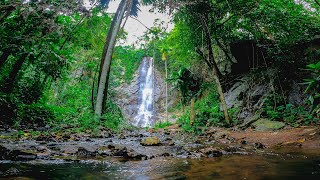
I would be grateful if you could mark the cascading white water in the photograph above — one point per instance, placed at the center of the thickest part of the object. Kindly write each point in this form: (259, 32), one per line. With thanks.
(144, 117)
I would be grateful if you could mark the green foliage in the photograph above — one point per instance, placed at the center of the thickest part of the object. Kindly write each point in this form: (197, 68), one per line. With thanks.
(8, 108)
(161, 125)
(314, 87)
(35, 115)
(127, 58)
(71, 95)
(275, 109)
(207, 113)
(185, 124)
(188, 83)
(31, 55)
(52, 62)
(281, 28)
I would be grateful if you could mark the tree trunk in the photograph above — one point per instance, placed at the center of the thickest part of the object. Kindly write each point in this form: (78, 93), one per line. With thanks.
(104, 77)
(166, 66)
(221, 97)
(215, 69)
(11, 79)
(192, 112)
(4, 56)
(106, 45)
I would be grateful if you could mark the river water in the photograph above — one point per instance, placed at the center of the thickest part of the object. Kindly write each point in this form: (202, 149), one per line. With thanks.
(254, 166)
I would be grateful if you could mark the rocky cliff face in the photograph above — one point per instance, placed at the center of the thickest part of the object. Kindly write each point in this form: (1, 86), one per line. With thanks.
(249, 92)
(256, 77)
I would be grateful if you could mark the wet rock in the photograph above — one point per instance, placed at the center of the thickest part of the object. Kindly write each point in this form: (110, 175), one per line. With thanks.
(75, 137)
(132, 154)
(150, 141)
(161, 131)
(42, 138)
(42, 149)
(104, 151)
(198, 141)
(53, 147)
(267, 125)
(12, 172)
(122, 136)
(232, 149)
(165, 154)
(244, 142)
(104, 134)
(171, 143)
(248, 121)
(231, 139)
(68, 150)
(120, 152)
(211, 152)
(89, 140)
(259, 145)
(83, 152)
(6, 153)
(66, 137)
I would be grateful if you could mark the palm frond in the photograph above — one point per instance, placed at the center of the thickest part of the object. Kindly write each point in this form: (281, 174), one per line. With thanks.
(135, 8)
(104, 3)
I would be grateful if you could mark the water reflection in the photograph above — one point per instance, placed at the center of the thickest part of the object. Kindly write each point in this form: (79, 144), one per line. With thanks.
(227, 167)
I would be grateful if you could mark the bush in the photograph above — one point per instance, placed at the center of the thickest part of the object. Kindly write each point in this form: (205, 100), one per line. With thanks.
(8, 109)
(161, 125)
(276, 109)
(208, 114)
(35, 115)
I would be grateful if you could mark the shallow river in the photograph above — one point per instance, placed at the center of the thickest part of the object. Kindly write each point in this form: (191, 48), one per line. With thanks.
(267, 166)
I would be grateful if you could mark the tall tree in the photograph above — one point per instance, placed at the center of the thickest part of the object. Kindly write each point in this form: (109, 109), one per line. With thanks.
(131, 7)
(196, 13)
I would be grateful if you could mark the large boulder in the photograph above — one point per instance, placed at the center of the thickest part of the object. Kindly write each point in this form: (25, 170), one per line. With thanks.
(267, 125)
(150, 141)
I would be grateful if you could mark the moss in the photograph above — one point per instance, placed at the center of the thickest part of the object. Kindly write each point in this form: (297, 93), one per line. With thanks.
(267, 125)
(150, 141)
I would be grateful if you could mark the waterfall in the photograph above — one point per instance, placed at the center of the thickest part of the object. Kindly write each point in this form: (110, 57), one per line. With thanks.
(144, 116)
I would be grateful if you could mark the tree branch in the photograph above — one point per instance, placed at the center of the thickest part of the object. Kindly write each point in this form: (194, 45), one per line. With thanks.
(140, 23)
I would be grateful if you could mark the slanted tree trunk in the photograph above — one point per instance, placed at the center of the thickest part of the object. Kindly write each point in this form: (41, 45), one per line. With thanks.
(216, 73)
(104, 76)
(4, 56)
(193, 111)
(11, 79)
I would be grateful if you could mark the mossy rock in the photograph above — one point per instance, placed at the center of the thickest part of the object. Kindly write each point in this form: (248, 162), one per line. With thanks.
(150, 141)
(267, 125)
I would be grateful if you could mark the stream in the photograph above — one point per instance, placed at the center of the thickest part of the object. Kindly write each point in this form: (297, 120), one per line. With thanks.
(268, 166)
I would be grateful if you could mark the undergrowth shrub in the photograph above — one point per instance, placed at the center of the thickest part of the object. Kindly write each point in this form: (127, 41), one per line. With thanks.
(35, 115)
(207, 114)
(161, 125)
(8, 108)
(276, 109)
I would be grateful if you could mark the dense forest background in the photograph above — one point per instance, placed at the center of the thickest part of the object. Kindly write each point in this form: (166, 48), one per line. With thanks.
(50, 54)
